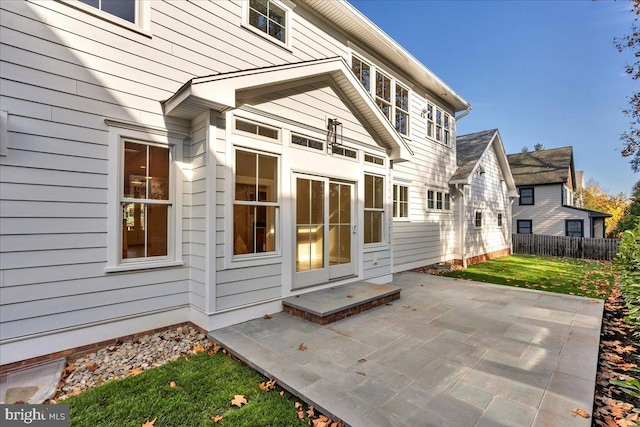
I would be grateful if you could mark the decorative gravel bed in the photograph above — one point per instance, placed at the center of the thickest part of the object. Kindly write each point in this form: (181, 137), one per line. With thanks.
(129, 358)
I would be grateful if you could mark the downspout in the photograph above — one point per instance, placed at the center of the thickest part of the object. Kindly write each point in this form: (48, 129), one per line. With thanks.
(463, 226)
(512, 199)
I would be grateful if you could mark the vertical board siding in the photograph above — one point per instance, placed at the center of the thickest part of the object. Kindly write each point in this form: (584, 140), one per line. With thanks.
(569, 247)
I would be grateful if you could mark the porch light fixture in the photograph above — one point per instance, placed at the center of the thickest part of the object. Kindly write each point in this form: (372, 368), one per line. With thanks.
(334, 132)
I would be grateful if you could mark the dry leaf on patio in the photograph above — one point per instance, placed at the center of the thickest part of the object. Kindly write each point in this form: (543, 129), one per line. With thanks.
(302, 347)
(217, 418)
(239, 400)
(406, 306)
(172, 384)
(595, 301)
(135, 371)
(267, 316)
(321, 421)
(349, 296)
(580, 412)
(361, 373)
(150, 423)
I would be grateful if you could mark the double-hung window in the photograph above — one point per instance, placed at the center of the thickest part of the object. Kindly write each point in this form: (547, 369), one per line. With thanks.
(400, 201)
(438, 200)
(256, 204)
(373, 209)
(146, 201)
(477, 220)
(527, 195)
(130, 14)
(390, 96)
(524, 226)
(439, 124)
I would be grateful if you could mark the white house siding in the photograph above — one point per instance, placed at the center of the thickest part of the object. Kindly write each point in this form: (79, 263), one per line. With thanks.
(487, 194)
(63, 72)
(429, 235)
(548, 214)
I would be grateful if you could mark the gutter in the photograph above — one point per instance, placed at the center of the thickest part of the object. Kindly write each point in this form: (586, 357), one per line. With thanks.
(464, 113)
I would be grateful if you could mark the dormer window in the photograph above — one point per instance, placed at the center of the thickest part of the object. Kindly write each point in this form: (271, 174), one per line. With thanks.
(390, 96)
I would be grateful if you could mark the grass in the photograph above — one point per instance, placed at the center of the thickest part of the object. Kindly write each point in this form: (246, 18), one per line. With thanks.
(205, 386)
(592, 279)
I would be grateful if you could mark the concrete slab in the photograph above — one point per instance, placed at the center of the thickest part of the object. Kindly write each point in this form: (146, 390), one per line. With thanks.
(463, 354)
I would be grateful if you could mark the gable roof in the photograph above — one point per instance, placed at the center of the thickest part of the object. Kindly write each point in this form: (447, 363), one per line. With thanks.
(469, 151)
(542, 167)
(228, 91)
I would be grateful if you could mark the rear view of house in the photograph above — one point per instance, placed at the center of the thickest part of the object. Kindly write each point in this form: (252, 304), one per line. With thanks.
(172, 162)
(547, 185)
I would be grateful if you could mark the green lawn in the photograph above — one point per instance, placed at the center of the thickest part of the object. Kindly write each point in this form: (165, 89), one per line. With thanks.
(562, 275)
(204, 387)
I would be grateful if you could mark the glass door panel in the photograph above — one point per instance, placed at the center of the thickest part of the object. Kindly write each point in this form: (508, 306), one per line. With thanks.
(309, 224)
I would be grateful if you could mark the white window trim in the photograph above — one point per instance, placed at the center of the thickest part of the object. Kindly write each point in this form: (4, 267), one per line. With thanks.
(497, 221)
(374, 156)
(143, 15)
(384, 210)
(482, 219)
(435, 209)
(248, 260)
(401, 218)
(434, 125)
(289, 27)
(373, 69)
(127, 131)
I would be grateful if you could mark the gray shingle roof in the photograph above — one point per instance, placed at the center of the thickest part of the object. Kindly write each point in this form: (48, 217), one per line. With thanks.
(469, 149)
(541, 167)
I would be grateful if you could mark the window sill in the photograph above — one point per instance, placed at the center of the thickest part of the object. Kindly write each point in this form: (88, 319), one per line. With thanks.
(401, 219)
(123, 23)
(143, 266)
(253, 261)
(267, 37)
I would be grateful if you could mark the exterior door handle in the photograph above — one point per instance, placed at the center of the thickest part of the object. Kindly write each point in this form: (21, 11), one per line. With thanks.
(354, 228)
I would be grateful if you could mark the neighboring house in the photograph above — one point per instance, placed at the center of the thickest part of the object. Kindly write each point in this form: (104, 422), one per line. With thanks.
(547, 187)
(170, 162)
(486, 190)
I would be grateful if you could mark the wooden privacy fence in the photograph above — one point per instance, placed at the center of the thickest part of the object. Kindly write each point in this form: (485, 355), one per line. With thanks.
(569, 247)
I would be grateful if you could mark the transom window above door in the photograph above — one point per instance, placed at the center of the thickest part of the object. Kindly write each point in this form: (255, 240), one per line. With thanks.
(391, 97)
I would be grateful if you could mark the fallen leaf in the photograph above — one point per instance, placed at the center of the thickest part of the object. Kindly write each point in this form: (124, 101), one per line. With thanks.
(172, 384)
(267, 316)
(198, 349)
(580, 412)
(217, 418)
(349, 296)
(135, 371)
(268, 385)
(406, 306)
(149, 423)
(302, 347)
(298, 405)
(595, 301)
(301, 414)
(239, 400)
(362, 360)
(74, 393)
(91, 367)
(310, 412)
(361, 373)
(281, 392)
(69, 369)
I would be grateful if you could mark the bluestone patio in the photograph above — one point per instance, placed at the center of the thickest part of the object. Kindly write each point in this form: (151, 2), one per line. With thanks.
(449, 352)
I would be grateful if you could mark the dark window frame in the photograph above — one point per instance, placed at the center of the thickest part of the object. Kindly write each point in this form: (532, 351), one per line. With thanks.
(533, 196)
(519, 224)
(566, 226)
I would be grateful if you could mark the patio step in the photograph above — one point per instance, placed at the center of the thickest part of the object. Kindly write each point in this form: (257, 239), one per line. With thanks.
(331, 304)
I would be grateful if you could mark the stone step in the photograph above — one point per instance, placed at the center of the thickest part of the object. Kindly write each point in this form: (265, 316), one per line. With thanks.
(331, 304)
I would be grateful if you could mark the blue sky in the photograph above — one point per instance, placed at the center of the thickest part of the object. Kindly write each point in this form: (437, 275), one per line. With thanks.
(540, 71)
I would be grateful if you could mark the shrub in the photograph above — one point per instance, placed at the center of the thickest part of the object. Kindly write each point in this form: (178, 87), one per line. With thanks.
(628, 264)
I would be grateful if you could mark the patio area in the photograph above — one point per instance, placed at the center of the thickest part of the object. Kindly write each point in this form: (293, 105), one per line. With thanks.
(447, 353)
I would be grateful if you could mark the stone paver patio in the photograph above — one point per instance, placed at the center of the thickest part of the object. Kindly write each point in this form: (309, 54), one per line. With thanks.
(447, 353)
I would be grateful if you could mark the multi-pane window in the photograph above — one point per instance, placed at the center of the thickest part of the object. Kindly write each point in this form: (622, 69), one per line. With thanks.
(373, 208)
(344, 152)
(255, 206)
(402, 109)
(256, 129)
(390, 96)
(307, 142)
(125, 9)
(499, 220)
(370, 158)
(438, 200)
(526, 195)
(269, 18)
(574, 227)
(146, 201)
(477, 220)
(362, 70)
(400, 201)
(524, 226)
(383, 93)
(439, 124)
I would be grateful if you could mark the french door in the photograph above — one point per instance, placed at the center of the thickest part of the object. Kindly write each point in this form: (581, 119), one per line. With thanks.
(324, 222)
